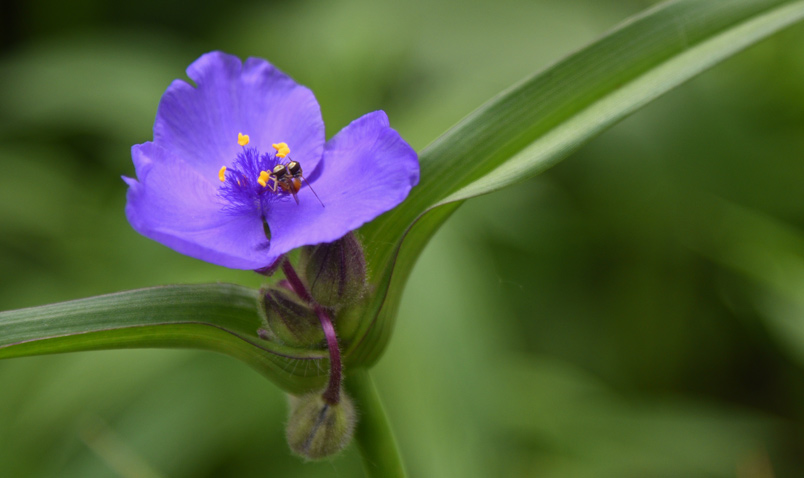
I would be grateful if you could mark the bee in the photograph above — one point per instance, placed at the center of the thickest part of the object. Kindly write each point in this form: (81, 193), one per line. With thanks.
(289, 178)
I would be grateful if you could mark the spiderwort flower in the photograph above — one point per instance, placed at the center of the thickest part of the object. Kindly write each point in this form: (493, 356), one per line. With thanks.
(208, 184)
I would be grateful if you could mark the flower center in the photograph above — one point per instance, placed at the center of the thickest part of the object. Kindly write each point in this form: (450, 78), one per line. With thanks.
(255, 180)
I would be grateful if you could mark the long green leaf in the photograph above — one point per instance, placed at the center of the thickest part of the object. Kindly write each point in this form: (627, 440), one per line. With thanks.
(538, 122)
(218, 317)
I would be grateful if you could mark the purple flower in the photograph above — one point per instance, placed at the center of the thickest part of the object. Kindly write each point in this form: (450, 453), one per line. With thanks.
(238, 172)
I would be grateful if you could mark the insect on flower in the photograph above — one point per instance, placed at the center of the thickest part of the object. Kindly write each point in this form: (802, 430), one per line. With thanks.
(289, 178)
(286, 178)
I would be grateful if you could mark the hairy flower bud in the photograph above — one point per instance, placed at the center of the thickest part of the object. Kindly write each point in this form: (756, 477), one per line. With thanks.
(317, 429)
(336, 271)
(290, 320)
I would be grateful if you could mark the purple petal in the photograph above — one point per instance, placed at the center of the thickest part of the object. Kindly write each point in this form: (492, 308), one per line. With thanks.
(201, 124)
(172, 203)
(368, 170)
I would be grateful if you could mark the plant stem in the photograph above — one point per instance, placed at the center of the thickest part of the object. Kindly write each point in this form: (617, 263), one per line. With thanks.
(332, 394)
(295, 282)
(375, 440)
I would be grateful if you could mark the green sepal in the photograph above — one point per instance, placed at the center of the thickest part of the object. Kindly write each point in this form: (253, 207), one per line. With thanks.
(317, 429)
(289, 320)
(335, 271)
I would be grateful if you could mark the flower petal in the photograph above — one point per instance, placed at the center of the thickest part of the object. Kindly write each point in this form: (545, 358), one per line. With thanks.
(201, 124)
(173, 204)
(368, 169)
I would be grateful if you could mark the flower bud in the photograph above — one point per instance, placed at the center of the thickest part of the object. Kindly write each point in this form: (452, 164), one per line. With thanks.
(289, 320)
(336, 271)
(317, 429)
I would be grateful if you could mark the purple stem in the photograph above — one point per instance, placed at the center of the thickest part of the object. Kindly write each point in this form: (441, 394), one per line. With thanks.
(296, 282)
(332, 394)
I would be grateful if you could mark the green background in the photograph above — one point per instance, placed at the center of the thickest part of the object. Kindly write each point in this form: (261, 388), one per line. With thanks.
(634, 312)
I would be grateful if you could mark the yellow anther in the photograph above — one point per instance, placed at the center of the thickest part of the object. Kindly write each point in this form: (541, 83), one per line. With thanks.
(282, 149)
(222, 174)
(263, 179)
(242, 139)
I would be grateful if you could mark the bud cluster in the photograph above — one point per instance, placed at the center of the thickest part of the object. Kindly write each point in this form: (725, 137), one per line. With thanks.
(302, 311)
(333, 276)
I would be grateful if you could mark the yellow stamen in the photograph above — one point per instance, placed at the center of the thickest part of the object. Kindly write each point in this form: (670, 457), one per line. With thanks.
(282, 149)
(222, 174)
(263, 179)
(242, 139)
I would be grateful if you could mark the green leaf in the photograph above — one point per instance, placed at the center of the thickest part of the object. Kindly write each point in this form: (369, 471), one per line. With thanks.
(218, 317)
(535, 124)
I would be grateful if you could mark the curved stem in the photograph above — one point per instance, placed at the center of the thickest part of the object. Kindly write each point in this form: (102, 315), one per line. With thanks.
(375, 440)
(332, 394)
(296, 283)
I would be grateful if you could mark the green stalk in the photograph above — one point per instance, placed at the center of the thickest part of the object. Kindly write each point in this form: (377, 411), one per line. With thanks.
(375, 440)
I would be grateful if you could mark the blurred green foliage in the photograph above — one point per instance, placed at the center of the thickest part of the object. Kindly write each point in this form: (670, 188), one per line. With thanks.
(636, 311)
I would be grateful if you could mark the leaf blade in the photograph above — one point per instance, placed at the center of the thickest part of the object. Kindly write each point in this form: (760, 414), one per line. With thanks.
(218, 317)
(599, 116)
(541, 120)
